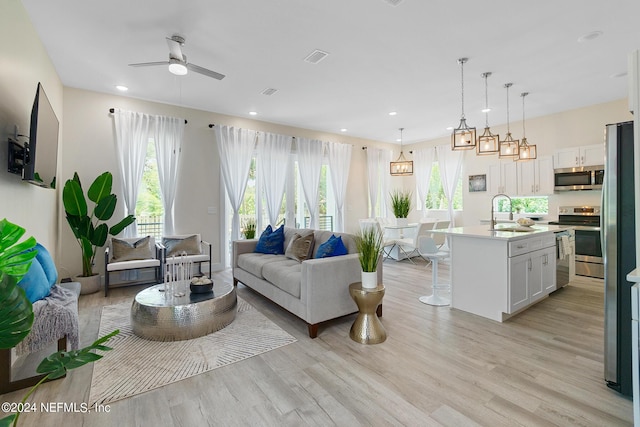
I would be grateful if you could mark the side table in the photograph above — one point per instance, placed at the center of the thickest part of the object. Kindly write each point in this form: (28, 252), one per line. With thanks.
(367, 328)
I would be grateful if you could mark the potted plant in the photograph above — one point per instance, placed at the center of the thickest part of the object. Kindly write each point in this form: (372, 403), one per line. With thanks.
(401, 205)
(89, 225)
(249, 228)
(369, 244)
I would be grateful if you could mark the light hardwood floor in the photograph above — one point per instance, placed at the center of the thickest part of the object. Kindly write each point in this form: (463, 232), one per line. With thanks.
(437, 367)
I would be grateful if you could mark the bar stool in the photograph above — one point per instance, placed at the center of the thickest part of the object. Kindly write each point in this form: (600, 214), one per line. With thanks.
(429, 249)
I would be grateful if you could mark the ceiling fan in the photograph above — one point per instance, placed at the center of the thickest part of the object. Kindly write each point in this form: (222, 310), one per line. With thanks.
(178, 61)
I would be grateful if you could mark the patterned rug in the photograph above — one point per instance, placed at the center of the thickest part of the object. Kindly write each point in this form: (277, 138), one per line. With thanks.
(136, 365)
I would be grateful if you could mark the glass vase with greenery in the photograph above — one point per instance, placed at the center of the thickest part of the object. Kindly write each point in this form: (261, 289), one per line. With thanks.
(249, 228)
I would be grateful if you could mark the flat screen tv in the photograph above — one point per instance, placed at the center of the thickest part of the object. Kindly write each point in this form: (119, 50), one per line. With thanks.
(41, 151)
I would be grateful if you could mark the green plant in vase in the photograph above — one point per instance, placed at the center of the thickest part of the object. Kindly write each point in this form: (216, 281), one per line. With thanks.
(369, 243)
(401, 203)
(249, 228)
(89, 225)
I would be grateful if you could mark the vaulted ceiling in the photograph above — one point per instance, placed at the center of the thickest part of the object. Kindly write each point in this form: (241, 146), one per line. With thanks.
(383, 56)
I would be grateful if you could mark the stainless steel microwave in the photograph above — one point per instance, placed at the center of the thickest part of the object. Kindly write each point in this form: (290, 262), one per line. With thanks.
(580, 178)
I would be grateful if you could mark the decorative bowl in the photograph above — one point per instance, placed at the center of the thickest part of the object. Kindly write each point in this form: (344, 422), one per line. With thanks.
(201, 285)
(525, 222)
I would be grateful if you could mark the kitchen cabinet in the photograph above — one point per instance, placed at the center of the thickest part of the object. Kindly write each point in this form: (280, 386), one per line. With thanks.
(531, 275)
(586, 155)
(535, 177)
(503, 178)
(495, 274)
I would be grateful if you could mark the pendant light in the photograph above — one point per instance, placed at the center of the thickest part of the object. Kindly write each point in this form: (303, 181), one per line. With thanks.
(487, 142)
(526, 150)
(402, 166)
(508, 147)
(463, 137)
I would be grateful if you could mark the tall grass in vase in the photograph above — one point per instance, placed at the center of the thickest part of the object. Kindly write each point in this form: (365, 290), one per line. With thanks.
(369, 243)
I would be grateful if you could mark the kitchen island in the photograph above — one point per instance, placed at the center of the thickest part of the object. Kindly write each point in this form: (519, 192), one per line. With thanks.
(496, 274)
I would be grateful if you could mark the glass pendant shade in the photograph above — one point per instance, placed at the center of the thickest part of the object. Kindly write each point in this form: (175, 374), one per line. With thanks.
(526, 151)
(463, 137)
(402, 166)
(509, 146)
(487, 142)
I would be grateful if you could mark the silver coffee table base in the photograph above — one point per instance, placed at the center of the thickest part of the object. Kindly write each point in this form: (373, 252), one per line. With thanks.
(157, 317)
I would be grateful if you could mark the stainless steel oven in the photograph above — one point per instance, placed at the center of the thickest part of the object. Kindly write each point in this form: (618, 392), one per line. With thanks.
(586, 223)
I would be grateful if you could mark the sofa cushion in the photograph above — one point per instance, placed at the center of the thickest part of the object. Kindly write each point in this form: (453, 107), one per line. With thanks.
(127, 251)
(271, 242)
(46, 262)
(285, 275)
(300, 248)
(254, 262)
(178, 245)
(35, 282)
(332, 247)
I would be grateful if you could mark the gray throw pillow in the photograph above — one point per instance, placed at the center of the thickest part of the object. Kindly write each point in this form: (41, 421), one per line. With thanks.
(177, 245)
(129, 251)
(300, 247)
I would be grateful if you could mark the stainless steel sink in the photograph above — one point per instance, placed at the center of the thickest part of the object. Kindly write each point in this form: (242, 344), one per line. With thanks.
(515, 229)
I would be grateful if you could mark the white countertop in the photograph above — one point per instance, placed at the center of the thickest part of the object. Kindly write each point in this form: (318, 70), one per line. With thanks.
(483, 232)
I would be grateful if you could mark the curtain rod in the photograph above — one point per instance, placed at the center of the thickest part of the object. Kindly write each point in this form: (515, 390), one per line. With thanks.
(112, 110)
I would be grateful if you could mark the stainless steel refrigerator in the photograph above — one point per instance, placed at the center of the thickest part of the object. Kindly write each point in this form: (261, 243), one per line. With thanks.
(619, 252)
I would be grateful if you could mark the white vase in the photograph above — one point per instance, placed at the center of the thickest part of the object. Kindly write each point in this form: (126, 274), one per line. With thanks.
(402, 222)
(88, 285)
(369, 279)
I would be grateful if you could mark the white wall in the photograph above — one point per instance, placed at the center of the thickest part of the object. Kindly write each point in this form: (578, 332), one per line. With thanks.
(24, 63)
(89, 150)
(583, 126)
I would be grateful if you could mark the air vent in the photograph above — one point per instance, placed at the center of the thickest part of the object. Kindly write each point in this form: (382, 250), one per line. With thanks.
(393, 2)
(316, 56)
(269, 91)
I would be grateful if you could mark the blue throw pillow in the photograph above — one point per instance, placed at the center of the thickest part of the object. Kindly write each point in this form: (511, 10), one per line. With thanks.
(271, 242)
(35, 282)
(332, 247)
(46, 262)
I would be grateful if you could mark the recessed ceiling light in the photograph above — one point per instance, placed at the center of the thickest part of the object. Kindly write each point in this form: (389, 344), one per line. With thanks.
(589, 36)
(122, 88)
(450, 128)
(252, 113)
(617, 75)
(343, 130)
(486, 110)
(393, 113)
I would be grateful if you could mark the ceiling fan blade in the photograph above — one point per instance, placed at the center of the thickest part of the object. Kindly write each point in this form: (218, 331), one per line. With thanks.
(148, 64)
(175, 47)
(204, 71)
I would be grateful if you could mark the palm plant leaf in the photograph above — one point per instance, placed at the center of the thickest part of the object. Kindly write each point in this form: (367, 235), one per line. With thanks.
(105, 207)
(16, 312)
(117, 229)
(100, 188)
(73, 198)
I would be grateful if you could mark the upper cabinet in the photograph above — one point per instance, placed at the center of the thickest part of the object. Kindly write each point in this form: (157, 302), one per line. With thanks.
(535, 177)
(503, 178)
(586, 155)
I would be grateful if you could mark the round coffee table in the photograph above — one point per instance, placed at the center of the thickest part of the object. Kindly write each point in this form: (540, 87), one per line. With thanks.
(159, 317)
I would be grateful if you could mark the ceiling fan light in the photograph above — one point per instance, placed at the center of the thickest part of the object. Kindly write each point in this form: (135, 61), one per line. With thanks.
(177, 67)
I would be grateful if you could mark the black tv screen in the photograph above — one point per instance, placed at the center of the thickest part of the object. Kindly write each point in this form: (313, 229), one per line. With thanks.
(42, 149)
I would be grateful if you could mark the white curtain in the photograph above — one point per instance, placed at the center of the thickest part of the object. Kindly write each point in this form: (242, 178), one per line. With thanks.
(450, 163)
(169, 133)
(235, 147)
(339, 164)
(274, 152)
(373, 176)
(132, 137)
(423, 162)
(310, 152)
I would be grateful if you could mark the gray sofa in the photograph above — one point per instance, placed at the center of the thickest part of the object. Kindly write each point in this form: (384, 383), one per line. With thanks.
(315, 290)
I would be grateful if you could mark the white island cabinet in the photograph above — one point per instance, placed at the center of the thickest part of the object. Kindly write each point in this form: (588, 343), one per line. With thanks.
(495, 274)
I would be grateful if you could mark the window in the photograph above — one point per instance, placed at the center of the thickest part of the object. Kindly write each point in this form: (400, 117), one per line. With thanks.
(529, 205)
(149, 208)
(436, 198)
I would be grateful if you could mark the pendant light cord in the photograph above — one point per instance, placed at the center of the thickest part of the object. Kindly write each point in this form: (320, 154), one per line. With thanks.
(523, 94)
(486, 100)
(462, 61)
(508, 85)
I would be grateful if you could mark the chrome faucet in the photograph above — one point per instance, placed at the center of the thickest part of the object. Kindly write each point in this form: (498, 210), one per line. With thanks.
(493, 220)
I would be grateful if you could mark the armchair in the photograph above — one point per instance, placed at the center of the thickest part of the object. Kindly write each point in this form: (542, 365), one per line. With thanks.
(131, 254)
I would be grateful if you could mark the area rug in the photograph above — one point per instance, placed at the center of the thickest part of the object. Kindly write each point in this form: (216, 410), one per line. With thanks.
(136, 365)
